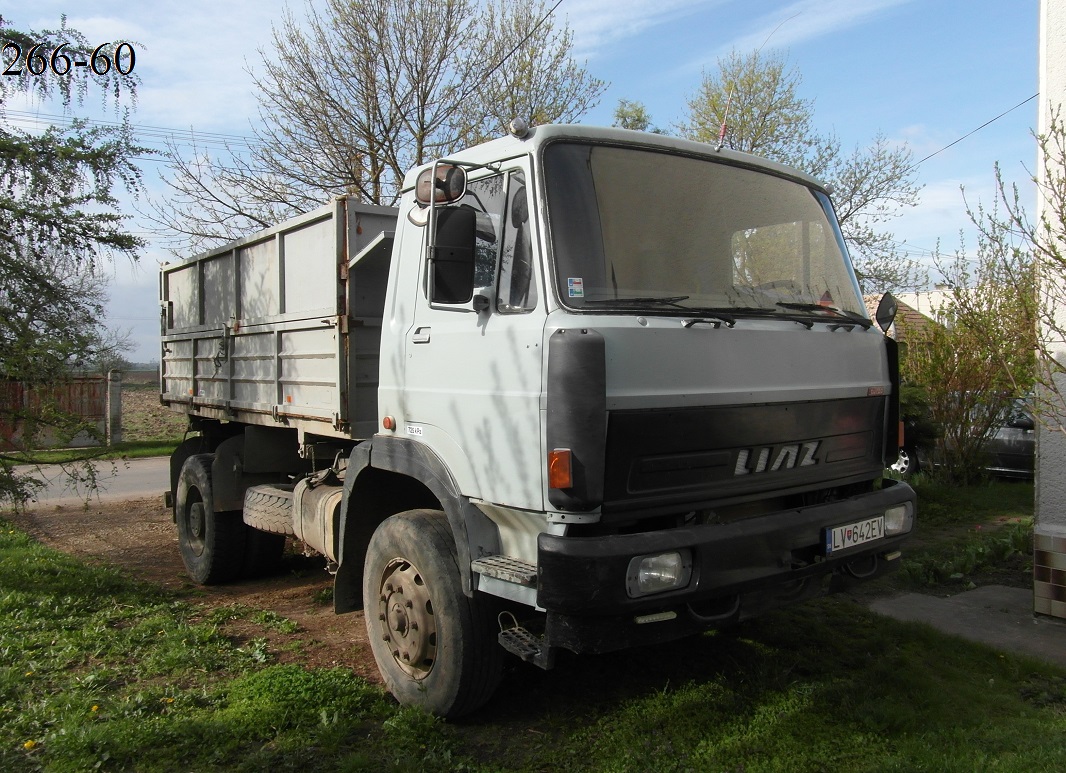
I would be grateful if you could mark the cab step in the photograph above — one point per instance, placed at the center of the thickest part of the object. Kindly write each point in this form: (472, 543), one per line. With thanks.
(508, 569)
(530, 648)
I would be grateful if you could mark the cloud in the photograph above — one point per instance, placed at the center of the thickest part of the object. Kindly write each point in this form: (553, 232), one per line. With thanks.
(800, 22)
(597, 24)
(193, 66)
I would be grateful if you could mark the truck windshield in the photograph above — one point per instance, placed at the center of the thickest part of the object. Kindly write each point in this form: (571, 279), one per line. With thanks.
(642, 229)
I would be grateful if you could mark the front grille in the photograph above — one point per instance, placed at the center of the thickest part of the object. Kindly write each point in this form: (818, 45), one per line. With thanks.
(702, 457)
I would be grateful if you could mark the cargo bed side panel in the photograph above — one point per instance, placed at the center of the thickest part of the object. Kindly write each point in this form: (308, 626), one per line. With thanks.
(257, 330)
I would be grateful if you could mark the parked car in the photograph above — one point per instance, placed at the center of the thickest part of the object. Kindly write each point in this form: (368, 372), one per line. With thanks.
(1011, 449)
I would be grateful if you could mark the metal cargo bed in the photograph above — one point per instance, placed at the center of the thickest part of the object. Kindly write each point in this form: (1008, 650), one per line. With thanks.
(282, 328)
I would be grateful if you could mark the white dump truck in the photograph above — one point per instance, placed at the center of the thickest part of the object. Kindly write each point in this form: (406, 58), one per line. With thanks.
(582, 389)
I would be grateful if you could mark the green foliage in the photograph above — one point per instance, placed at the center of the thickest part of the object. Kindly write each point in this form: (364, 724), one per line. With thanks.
(981, 550)
(59, 223)
(633, 115)
(941, 504)
(290, 697)
(264, 617)
(757, 97)
(976, 359)
(920, 429)
(969, 535)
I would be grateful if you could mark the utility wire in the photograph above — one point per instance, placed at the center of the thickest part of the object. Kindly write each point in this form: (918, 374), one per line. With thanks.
(218, 139)
(986, 123)
(514, 50)
(144, 132)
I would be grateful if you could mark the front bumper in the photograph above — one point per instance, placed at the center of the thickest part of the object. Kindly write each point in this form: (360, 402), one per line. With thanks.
(738, 570)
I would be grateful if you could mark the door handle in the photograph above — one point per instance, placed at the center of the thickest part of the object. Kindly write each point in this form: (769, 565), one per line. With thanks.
(421, 335)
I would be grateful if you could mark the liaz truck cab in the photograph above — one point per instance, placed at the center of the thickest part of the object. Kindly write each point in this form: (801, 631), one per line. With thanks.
(582, 389)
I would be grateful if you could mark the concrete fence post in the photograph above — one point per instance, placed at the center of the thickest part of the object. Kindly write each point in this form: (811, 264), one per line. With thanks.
(114, 407)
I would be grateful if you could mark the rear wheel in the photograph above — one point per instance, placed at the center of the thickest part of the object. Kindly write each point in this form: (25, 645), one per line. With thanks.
(212, 544)
(263, 553)
(434, 646)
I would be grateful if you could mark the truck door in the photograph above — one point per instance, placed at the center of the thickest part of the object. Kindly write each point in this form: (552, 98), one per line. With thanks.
(473, 369)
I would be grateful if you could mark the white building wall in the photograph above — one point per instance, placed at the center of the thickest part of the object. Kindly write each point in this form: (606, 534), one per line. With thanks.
(1049, 562)
(927, 302)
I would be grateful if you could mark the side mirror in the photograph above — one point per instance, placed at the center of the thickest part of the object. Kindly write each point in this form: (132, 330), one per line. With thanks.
(440, 184)
(451, 269)
(886, 312)
(1022, 421)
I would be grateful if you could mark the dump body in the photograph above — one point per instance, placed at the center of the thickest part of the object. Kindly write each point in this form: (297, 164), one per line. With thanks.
(282, 327)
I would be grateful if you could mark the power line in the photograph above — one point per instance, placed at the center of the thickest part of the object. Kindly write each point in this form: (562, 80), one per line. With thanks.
(144, 132)
(986, 123)
(514, 50)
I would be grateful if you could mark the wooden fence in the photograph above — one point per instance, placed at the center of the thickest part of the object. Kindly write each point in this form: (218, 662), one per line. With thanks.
(96, 399)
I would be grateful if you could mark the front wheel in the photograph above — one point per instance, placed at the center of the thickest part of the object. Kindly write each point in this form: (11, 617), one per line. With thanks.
(434, 646)
(906, 463)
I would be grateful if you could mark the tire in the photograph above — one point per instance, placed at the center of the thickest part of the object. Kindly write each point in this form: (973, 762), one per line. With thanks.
(435, 647)
(212, 544)
(269, 508)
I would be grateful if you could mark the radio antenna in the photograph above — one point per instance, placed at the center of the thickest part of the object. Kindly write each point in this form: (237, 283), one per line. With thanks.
(729, 97)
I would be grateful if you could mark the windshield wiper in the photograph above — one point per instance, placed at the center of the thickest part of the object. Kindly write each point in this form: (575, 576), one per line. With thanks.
(851, 316)
(667, 301)
(706, 314)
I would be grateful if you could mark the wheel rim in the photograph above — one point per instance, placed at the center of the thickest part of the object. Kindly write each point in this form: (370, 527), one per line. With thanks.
(196, 526)
(406, 619)
(903, 462)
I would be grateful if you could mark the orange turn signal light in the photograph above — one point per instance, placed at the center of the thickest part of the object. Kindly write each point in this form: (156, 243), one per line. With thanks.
(560, 469)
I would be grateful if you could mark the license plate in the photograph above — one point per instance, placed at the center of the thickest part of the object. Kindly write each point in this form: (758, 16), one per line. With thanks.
(853, 534)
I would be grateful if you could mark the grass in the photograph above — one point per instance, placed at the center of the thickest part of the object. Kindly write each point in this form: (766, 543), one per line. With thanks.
(99, 672)
(970, 536)
(137, 449)
(835, 688)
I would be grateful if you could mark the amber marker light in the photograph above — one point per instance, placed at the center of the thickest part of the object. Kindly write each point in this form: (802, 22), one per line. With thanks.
(560, 468)
(388, 423)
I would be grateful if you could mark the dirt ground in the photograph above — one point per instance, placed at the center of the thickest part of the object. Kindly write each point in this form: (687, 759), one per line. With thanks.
(139, 537)
(143, 418)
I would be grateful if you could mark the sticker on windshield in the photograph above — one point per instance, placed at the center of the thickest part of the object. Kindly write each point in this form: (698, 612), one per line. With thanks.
(576, 287)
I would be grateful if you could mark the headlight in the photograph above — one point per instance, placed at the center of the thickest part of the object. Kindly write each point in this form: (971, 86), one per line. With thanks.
(899, 519)
(662, 572)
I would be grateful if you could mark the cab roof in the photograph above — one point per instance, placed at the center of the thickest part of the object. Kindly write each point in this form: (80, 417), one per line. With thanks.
(512, 147)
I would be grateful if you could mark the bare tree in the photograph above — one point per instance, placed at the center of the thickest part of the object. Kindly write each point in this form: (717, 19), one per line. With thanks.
(356, 94)
(1031, 263)
(752, 104)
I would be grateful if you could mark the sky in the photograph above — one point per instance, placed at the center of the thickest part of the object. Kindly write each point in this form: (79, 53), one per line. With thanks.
(924, 73)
